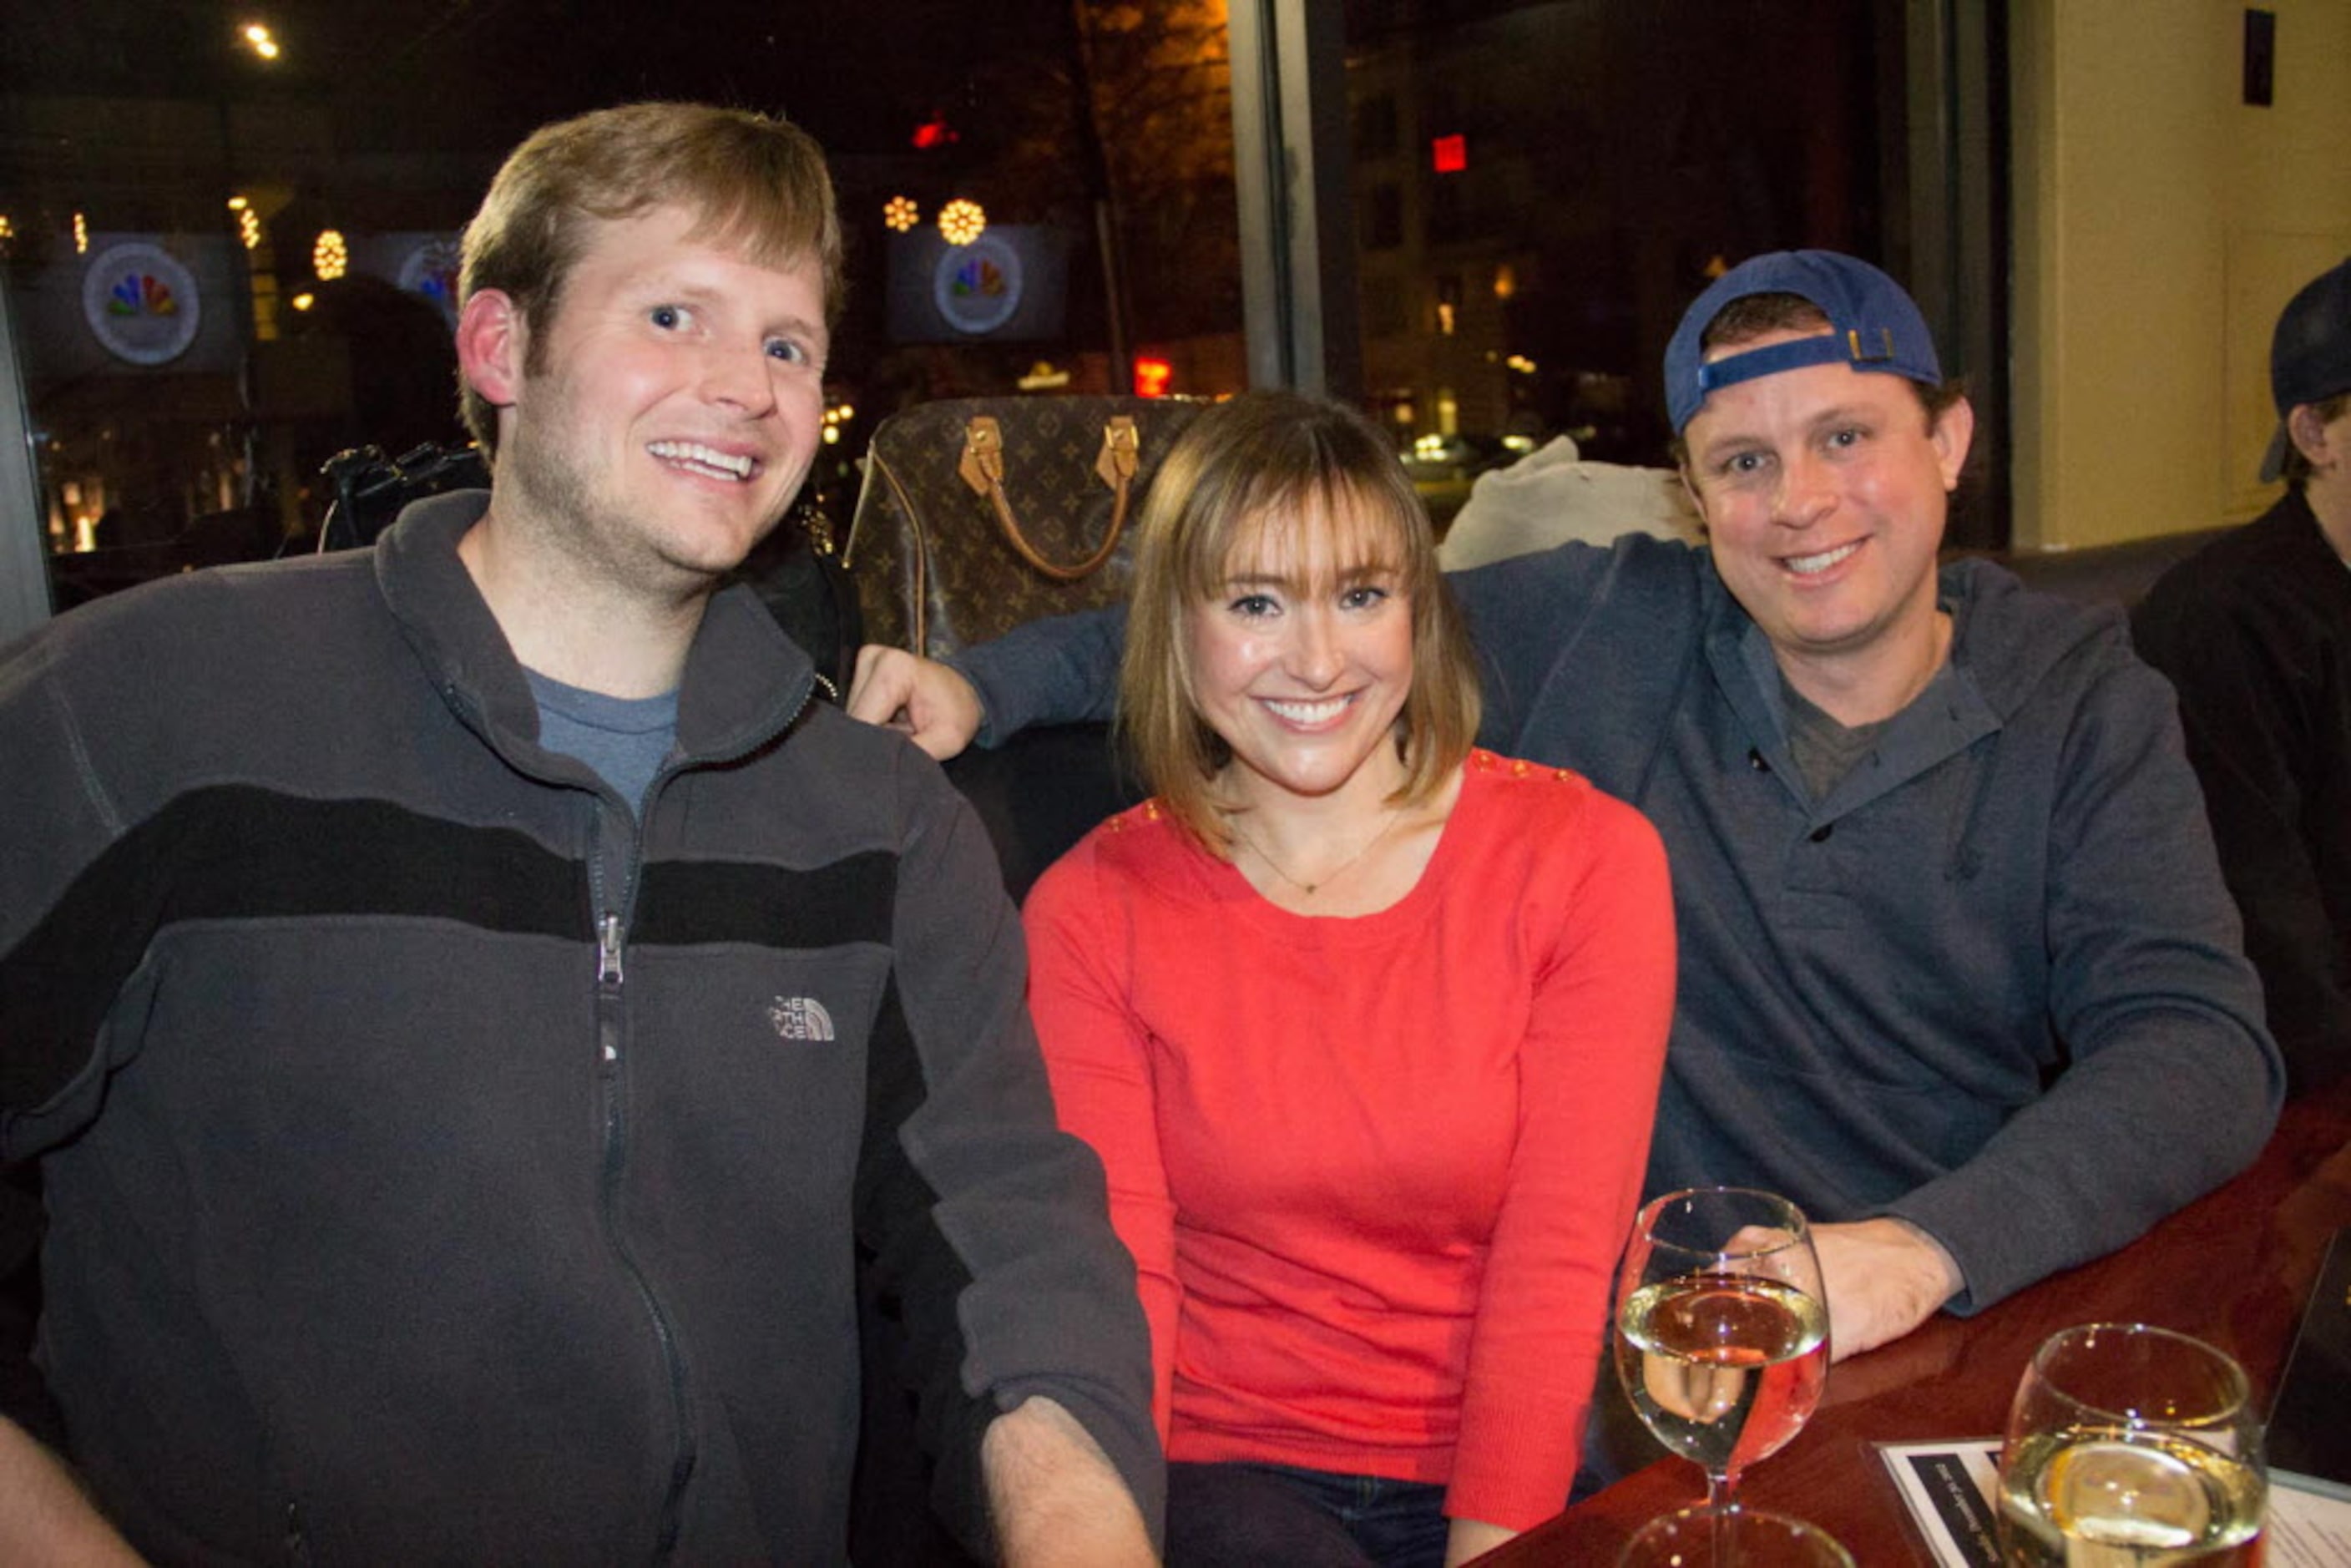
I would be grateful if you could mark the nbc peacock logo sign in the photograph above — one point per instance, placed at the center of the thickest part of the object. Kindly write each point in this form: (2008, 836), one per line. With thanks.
(430, 270)
(977, 287)
(141, 303)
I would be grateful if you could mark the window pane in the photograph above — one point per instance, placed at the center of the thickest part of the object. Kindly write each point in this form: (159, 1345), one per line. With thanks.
(1549, 185)
(189, 365)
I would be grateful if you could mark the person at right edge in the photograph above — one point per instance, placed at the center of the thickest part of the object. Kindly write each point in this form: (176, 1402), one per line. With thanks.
(1958, 971)
(2254, 630)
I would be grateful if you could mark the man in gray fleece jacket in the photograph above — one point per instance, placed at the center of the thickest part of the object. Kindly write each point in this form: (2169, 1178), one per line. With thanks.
(481, 1021)
(1957, 970)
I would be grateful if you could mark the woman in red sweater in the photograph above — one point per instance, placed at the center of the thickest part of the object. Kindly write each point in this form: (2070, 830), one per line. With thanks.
(1366, 1024)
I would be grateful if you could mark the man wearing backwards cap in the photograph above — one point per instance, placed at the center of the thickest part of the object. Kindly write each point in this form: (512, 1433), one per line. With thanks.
(1959, 972)
(2255, 631)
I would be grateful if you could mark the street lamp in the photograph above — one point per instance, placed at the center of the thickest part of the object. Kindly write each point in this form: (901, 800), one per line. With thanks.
(256, 314)
(255, 40)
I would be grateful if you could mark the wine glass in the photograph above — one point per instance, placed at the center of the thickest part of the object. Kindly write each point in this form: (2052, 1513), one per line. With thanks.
(1722, 1328)
(2129, 1443)
(1749, 1536)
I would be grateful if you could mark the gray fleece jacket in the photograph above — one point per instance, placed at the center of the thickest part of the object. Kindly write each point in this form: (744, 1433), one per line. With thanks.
(445, 1165)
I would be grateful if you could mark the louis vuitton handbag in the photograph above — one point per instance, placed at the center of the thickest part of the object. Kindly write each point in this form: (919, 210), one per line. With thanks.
(981, 514)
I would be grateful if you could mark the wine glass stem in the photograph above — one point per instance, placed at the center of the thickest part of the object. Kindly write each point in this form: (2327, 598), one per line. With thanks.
(1720, 1502)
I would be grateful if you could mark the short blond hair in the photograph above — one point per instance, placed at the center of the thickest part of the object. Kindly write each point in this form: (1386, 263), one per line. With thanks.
(1240, 465)
(755, 182)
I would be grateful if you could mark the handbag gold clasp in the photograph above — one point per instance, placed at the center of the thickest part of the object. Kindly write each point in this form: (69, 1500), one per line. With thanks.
(1121, 449)
(982, 465)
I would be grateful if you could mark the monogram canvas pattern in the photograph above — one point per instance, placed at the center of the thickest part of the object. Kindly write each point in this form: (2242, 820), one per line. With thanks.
(934, 571)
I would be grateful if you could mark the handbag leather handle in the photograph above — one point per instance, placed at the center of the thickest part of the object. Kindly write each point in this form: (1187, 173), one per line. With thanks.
(982, 469)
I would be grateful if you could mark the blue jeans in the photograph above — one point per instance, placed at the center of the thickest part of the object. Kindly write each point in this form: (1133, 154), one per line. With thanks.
(1238, 1515)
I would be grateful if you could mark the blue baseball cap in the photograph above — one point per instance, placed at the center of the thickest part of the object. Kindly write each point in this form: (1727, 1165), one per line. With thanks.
(1876, 327)
(2309, 352)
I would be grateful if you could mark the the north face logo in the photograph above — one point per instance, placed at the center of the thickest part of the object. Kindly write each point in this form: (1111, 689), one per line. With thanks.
(799, 1018)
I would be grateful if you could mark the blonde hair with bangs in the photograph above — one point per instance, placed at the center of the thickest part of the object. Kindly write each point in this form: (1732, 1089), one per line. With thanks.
(755, 182)
(1264, 469)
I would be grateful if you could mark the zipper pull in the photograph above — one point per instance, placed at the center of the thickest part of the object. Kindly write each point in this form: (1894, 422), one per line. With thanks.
(608, 951)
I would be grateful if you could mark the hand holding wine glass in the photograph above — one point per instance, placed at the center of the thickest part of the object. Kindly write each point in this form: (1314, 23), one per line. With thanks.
(1721, 1327)
(2127, 1445)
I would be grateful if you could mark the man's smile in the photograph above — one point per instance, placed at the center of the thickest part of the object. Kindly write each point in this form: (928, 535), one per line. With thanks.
(707, 461)
(1810, 565)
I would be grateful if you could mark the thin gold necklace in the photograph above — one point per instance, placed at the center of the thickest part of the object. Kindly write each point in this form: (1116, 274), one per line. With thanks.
(1310, 888)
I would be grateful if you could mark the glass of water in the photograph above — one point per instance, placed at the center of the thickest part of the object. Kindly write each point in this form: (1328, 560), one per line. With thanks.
(2129, 1443)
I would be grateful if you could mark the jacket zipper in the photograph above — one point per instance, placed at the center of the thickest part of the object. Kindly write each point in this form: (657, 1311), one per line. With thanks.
(608, 966)
(612, 941)
(611, 926)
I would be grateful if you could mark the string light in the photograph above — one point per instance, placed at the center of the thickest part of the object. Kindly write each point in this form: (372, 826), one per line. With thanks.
(962, 221)
(899, 213)
(81, 234)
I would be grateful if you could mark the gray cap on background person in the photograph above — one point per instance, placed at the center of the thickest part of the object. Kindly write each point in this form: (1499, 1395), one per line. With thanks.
(2310, 353)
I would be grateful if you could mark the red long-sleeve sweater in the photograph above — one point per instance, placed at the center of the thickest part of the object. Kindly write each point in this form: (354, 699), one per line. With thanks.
(1376, 1171)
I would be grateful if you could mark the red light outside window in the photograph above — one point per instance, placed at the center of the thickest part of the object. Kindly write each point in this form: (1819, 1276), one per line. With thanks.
(1152, 375)
(1449, 153)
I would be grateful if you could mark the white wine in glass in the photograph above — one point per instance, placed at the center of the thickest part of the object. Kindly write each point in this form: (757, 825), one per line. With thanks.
(2131, 1446)
(1723, 1330)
